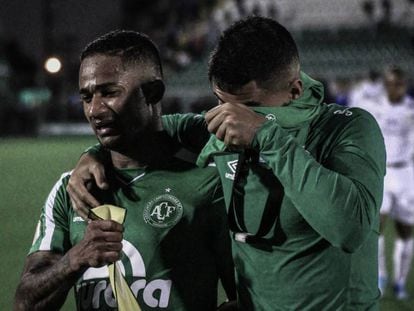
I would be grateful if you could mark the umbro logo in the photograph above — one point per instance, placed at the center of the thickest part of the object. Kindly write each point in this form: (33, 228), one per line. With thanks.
(77, 219)
(233, 166)
(346, 112)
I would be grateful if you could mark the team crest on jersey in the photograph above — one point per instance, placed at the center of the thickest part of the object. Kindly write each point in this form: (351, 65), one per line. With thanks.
(163, 211)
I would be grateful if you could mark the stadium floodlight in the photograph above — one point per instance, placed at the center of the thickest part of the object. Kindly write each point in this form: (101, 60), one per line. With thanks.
(53, 65)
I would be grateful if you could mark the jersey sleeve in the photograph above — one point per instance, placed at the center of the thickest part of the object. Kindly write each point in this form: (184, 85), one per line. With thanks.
(99, 152)
(52, 232)
(190, 130)
(340, 197)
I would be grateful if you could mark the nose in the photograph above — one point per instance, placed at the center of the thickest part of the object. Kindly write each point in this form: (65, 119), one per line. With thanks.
(96, 107)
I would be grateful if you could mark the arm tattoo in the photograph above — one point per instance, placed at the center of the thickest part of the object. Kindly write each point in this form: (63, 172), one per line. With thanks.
(45, 282)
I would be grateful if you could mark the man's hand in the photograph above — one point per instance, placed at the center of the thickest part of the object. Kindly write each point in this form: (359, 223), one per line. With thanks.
(88, 171)
(101, 245)
(47, 277)
(235, 124)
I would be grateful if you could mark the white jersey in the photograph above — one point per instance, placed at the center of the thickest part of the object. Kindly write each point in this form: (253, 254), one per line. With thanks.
(397, 125)
(365, 93)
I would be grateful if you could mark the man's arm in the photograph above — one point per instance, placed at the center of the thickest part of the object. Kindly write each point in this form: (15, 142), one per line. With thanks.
(48, 276)
(89, 171)
(190, 130)
(54, 265)
(45, 282)
(339, 198)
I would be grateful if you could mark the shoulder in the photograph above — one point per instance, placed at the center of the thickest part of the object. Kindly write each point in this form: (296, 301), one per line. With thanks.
(338, 124)
(58, 197)
(62, 182)
(348, 131)
(339, 116)
(184, 163)
(182, 118)
(198, 182)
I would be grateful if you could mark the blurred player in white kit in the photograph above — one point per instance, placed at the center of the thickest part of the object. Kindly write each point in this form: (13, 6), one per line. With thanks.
(367, 91)
(394, 111)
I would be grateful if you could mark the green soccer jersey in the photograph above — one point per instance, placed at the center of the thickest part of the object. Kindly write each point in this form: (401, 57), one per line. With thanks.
(175, 240)
(310, 197)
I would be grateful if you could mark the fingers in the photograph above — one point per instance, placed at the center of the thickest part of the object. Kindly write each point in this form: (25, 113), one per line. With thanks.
(223, 123)
(101, 245)
(81, 199)
(233, 123)
(87, 172)
(81, 193)
(103, 242)
(221, 132)
(98, 172)
(77, 186)
(212, 113)
(214, 124)
(104, 258)
(106, 225)
(215, 118)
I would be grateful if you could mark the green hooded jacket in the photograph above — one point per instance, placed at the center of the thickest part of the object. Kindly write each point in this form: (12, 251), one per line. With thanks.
(303, 203)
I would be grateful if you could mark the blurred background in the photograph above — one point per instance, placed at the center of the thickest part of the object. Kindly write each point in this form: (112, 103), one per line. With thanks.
(344, 44)
(340, 43)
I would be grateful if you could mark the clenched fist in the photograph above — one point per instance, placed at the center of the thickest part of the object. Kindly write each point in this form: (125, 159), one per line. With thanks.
(233, 123)
(101, 245)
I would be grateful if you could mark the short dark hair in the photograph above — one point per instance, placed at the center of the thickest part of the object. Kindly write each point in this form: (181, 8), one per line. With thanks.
(130, 46)
(255, 48)
(396, 71)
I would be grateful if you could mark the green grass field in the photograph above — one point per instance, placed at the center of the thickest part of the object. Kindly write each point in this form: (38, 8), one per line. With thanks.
(29, 168)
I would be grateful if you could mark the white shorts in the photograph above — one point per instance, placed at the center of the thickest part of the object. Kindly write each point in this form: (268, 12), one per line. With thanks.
(398, 200)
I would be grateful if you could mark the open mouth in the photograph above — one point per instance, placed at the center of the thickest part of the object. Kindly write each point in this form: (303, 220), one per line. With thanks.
(105, 127)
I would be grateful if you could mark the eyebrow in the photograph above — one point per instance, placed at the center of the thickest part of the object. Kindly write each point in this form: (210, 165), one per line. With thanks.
(96, 87)
(250, 103)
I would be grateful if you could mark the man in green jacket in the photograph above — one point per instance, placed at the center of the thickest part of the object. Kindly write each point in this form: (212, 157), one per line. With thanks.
(302, 180)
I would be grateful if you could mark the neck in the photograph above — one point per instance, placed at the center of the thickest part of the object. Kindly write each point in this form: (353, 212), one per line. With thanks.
(395, 101)
(152, 150)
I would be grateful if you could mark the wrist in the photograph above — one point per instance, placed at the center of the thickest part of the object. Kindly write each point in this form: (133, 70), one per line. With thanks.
(73, 262)
(261, 131)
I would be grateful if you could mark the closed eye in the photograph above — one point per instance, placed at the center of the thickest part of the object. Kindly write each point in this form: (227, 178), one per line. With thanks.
(86, 98)
(110, 93)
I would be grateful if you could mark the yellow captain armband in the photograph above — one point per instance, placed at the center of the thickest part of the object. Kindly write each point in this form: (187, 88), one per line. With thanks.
(122, 292)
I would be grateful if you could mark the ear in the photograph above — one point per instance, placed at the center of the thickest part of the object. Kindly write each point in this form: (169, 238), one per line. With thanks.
(153, 91)
(296, 89)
